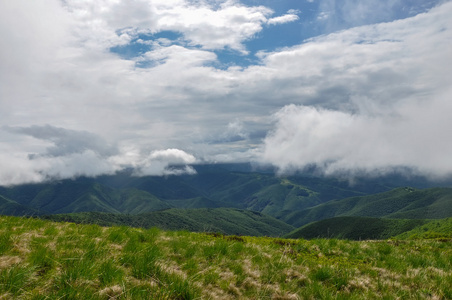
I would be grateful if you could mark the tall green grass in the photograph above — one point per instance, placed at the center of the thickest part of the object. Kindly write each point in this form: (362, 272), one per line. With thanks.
(46, 260)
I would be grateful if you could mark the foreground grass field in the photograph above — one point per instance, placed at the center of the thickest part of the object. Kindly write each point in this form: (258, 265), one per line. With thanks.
(46, 260)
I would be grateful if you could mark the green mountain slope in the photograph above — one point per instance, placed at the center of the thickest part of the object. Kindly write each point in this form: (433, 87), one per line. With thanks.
(433, 229)
(355, 228)
(296, 199)
(222, 220)
(9, 207)
(283, 196)
(134, 201)
(209, 189)
(406, 203)
(198, 202)
(83, 195)
(225, 186)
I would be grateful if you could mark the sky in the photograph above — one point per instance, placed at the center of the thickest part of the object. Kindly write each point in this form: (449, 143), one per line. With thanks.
(350, 87)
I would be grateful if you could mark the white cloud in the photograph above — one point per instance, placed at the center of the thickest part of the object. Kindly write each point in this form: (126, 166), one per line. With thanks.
(373, 98)
(61, 153)
(414, 135)
(180, 56)
(294, 11)
(39, 153)
(166, 162)
(66, 141)
(18, 168)
(323, 15)
(365, 68)
(236, 129)
(228, 24)
(172, 156)
(338, 15)
(283, 19)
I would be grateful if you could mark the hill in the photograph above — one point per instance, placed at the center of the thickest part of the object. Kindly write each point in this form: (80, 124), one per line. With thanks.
(81, 195)
(45, 260)
(233, 185)
(441, 229)
(9, 207)
(220, 220)
(355, 228)
(401, 203)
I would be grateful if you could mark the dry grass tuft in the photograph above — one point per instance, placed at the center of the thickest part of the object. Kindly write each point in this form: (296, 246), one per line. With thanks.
(363, 283)
(300, 279)
(172, 268)
(286, 296)
(112, 292)
(9, 261)
(249, 270)
(214, 292)
(234, 291)
(250, 283)
(6, 296)
(436, 271)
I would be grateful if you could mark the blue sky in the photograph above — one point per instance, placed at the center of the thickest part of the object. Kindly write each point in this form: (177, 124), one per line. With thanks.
(354, 87)
(314, 18)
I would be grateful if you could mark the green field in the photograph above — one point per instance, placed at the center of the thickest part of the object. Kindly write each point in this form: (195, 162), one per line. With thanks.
(40, 259)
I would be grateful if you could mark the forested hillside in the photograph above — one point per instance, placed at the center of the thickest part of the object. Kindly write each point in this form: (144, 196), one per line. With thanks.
(219, 220)
(401, 203)
(231, 193)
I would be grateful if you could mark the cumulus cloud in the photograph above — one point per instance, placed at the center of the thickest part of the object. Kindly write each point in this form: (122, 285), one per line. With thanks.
(180, 56)
(60, 153)
(39, 153)
(336, 15)
(364, 68)
(210, 25)
(166, 162)
(172, 156)
(383, 104)
(234, 131)
(335, 142)
(18, 168)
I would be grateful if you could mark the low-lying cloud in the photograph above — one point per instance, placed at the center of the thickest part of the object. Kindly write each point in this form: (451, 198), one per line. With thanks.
(412, 135)
(62, 153)
(166, 162)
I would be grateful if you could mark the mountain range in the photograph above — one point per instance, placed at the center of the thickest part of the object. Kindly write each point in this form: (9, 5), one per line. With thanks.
(282, 202)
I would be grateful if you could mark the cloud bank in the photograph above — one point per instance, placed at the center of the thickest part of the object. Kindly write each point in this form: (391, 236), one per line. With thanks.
(411, 136)
(367, 98)
(62, 153)
(384, 102)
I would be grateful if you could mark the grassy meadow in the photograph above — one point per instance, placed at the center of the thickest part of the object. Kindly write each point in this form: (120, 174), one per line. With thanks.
(41, 259)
